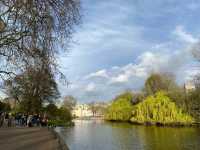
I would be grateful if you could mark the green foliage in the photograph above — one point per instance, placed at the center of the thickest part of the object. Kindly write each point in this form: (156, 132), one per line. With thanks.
(193, 103)
(59, 114)
(166, 82)
(178, 95)
(32, 88)
(4, 106)
(193, 99)
(137, 98)
(126, 95)
(120, 109)
(157, 82)
(52, 111)
(159, 109)
(64, 114)
(69, 102)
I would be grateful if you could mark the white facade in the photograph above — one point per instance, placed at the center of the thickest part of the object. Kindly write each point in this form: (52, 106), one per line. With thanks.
(82, 110)
(189, 86)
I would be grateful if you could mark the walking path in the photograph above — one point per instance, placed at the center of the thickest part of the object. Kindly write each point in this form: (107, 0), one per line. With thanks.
(27, 139)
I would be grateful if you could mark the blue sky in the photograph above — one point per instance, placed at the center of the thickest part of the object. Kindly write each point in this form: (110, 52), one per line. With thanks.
(120, 43)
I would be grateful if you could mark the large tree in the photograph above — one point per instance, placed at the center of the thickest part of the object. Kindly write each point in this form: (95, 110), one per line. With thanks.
(193, 99)
(165, 82)
(159, 81)
(30, 30)
(4, 106)
(69, 102)
(121, 108)
(159, 108)
(32, 89)
(31, 35)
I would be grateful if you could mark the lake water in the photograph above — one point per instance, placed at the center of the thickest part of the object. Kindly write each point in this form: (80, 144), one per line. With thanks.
(100, 135)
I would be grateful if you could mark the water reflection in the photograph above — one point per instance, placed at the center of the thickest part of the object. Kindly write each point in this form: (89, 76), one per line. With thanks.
(99, 135)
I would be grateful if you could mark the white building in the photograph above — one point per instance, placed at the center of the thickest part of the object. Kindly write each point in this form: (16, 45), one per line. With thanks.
(189, 85)
(82, 110)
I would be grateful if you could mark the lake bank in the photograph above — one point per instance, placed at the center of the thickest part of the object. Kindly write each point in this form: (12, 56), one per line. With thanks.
(159, 124)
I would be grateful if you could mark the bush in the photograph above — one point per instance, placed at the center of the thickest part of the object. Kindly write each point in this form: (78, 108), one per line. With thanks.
(58, 116)
(64, 114)
(159, 109)
(120, 109)
(4, 107)
(193, 103)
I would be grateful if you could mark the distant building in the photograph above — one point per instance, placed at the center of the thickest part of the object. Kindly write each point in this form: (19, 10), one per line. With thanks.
(189, 86)
(98, 108)
(82, 110)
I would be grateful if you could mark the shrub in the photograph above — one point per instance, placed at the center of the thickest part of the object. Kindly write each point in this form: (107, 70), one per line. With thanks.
(120, 109)
(159, 109)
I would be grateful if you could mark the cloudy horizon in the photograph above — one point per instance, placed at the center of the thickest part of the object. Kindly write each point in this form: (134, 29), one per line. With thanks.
(120, 43)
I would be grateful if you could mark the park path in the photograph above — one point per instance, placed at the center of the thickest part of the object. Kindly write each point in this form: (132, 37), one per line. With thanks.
(27, 139)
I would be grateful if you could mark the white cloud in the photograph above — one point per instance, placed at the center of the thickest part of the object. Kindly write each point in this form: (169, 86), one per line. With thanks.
(106, 83)
(147, 62)
(120, 78)
(90, 87)
(152, 61)
(101, 73)
(184, 36)
(109, 36)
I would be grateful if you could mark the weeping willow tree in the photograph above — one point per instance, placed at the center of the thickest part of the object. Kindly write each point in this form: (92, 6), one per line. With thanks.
(159, 109)
(121, 108)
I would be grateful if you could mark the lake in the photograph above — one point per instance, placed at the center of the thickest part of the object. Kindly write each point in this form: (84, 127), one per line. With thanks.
(100, 135)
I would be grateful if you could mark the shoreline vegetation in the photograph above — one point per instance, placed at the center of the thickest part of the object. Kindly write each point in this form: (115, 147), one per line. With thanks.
(60, 123)
(159, 109)
(153, 112)
(161, 103)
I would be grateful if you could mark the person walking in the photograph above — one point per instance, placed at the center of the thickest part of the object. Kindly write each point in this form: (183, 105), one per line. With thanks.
(1, 119)
(24, 120)
(29, 121)
(5, 123)
(9, 120)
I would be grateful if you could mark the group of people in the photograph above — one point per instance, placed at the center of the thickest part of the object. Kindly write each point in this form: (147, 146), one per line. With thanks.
(23, 120)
